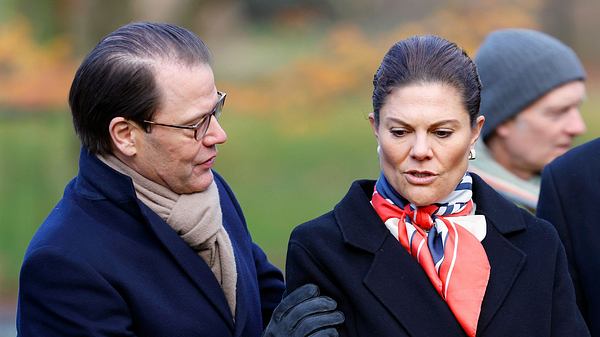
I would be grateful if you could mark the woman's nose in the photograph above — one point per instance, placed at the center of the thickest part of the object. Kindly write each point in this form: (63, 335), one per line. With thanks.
(420, 148)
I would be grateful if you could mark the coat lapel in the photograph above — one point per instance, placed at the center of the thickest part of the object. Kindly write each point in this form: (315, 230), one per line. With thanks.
(401, 286)
(243, 261)
(191, 263)
(506, 263)
(506, 260)
(394, 277)
(399, 282)
(242, 305)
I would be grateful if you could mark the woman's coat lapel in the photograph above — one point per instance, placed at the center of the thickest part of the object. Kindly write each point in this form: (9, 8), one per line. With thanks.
(399, 282)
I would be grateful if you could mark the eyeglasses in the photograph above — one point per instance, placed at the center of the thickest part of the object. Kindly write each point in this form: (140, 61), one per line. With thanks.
(201, 127)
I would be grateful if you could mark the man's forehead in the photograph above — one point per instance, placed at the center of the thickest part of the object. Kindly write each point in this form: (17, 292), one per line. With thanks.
(165, 67)
(176, 76)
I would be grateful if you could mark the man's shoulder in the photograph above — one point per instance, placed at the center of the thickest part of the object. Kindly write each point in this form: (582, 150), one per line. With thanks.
(78, 224)
(584, 156)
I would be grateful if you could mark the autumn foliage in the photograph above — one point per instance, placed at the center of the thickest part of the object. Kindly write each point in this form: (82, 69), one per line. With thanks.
(38, 76)
(33, 75)
(347, 57)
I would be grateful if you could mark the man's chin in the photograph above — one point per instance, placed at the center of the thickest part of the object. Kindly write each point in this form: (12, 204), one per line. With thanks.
(202, 183)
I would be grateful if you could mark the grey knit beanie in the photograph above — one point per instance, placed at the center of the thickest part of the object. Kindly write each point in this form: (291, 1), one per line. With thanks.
(518, 66)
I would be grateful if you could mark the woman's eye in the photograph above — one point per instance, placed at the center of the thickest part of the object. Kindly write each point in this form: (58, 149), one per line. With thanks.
(442, 133)
(398, 132)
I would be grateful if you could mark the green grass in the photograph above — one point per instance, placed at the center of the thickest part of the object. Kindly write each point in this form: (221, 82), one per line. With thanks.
(37, 158)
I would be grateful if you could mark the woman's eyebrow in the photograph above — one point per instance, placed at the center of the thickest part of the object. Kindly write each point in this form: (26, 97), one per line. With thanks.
(396, 120)
(445, 122)
(450, 121)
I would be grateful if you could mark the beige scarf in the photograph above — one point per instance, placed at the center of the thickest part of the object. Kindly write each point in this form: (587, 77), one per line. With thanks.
(196, 217)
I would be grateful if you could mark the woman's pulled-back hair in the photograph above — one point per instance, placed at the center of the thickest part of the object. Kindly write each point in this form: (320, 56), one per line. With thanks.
(427, 59)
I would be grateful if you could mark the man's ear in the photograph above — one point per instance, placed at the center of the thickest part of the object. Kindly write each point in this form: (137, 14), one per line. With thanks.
(122, 134)
(505, 128)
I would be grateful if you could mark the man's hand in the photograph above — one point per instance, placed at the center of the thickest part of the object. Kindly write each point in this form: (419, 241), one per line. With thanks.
(303, 313)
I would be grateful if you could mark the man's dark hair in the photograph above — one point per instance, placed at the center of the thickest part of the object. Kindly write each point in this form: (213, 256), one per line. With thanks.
(427, 59)
(117, 77)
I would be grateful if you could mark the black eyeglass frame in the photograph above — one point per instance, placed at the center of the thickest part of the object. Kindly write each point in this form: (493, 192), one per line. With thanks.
(215, 112)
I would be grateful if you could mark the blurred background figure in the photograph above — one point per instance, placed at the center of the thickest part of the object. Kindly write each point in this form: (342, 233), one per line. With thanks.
(569, 199)
(532, 90)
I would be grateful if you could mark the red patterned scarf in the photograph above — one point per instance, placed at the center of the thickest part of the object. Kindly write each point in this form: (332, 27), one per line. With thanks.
(447, 250)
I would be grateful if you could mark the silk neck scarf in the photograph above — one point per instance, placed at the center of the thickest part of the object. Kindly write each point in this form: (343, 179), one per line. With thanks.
(197, 219)
(449, 252)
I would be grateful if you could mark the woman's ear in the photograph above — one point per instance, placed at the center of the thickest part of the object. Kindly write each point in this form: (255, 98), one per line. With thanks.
(122, 134)
(477, 129)
(374, 125)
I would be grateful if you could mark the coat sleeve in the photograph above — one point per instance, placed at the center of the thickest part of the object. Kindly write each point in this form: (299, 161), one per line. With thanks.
(61, 295)
(566, 317)
(550, 208)
(302, 267)
(270, 283)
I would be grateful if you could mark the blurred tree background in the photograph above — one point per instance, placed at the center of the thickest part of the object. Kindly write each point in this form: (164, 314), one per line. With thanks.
(298, 75)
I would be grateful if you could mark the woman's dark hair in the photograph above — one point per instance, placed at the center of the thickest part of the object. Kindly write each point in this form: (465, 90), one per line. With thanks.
(117, 77)
(427, 59)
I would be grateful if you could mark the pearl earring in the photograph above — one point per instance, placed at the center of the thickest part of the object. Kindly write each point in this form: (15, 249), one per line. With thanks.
(472, 154)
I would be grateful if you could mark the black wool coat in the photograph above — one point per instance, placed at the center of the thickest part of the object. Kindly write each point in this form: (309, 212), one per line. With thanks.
(383, 291)
(570, 200)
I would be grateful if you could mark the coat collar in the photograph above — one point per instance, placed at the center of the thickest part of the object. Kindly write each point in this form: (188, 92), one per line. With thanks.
(398, 281)
(357, 204)
(98, 181)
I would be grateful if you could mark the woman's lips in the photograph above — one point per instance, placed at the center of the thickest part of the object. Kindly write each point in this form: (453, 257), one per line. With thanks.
(415, 177)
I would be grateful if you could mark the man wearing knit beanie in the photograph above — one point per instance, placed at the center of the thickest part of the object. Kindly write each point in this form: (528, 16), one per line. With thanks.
(533, 85)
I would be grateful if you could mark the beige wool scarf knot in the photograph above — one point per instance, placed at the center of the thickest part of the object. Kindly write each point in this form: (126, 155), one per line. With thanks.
(197, 219)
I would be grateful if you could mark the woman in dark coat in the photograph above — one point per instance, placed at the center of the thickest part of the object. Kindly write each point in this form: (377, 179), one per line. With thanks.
(429, 249)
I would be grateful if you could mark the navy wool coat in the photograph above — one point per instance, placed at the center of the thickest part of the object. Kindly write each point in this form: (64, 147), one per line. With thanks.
(383, 291)
(104, 264)
(570, 200)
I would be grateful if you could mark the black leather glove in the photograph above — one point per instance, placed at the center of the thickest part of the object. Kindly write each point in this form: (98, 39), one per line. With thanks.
(303, 313)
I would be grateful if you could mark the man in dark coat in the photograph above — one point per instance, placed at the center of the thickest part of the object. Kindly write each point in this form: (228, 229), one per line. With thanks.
(147, 239)
(569, 199)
